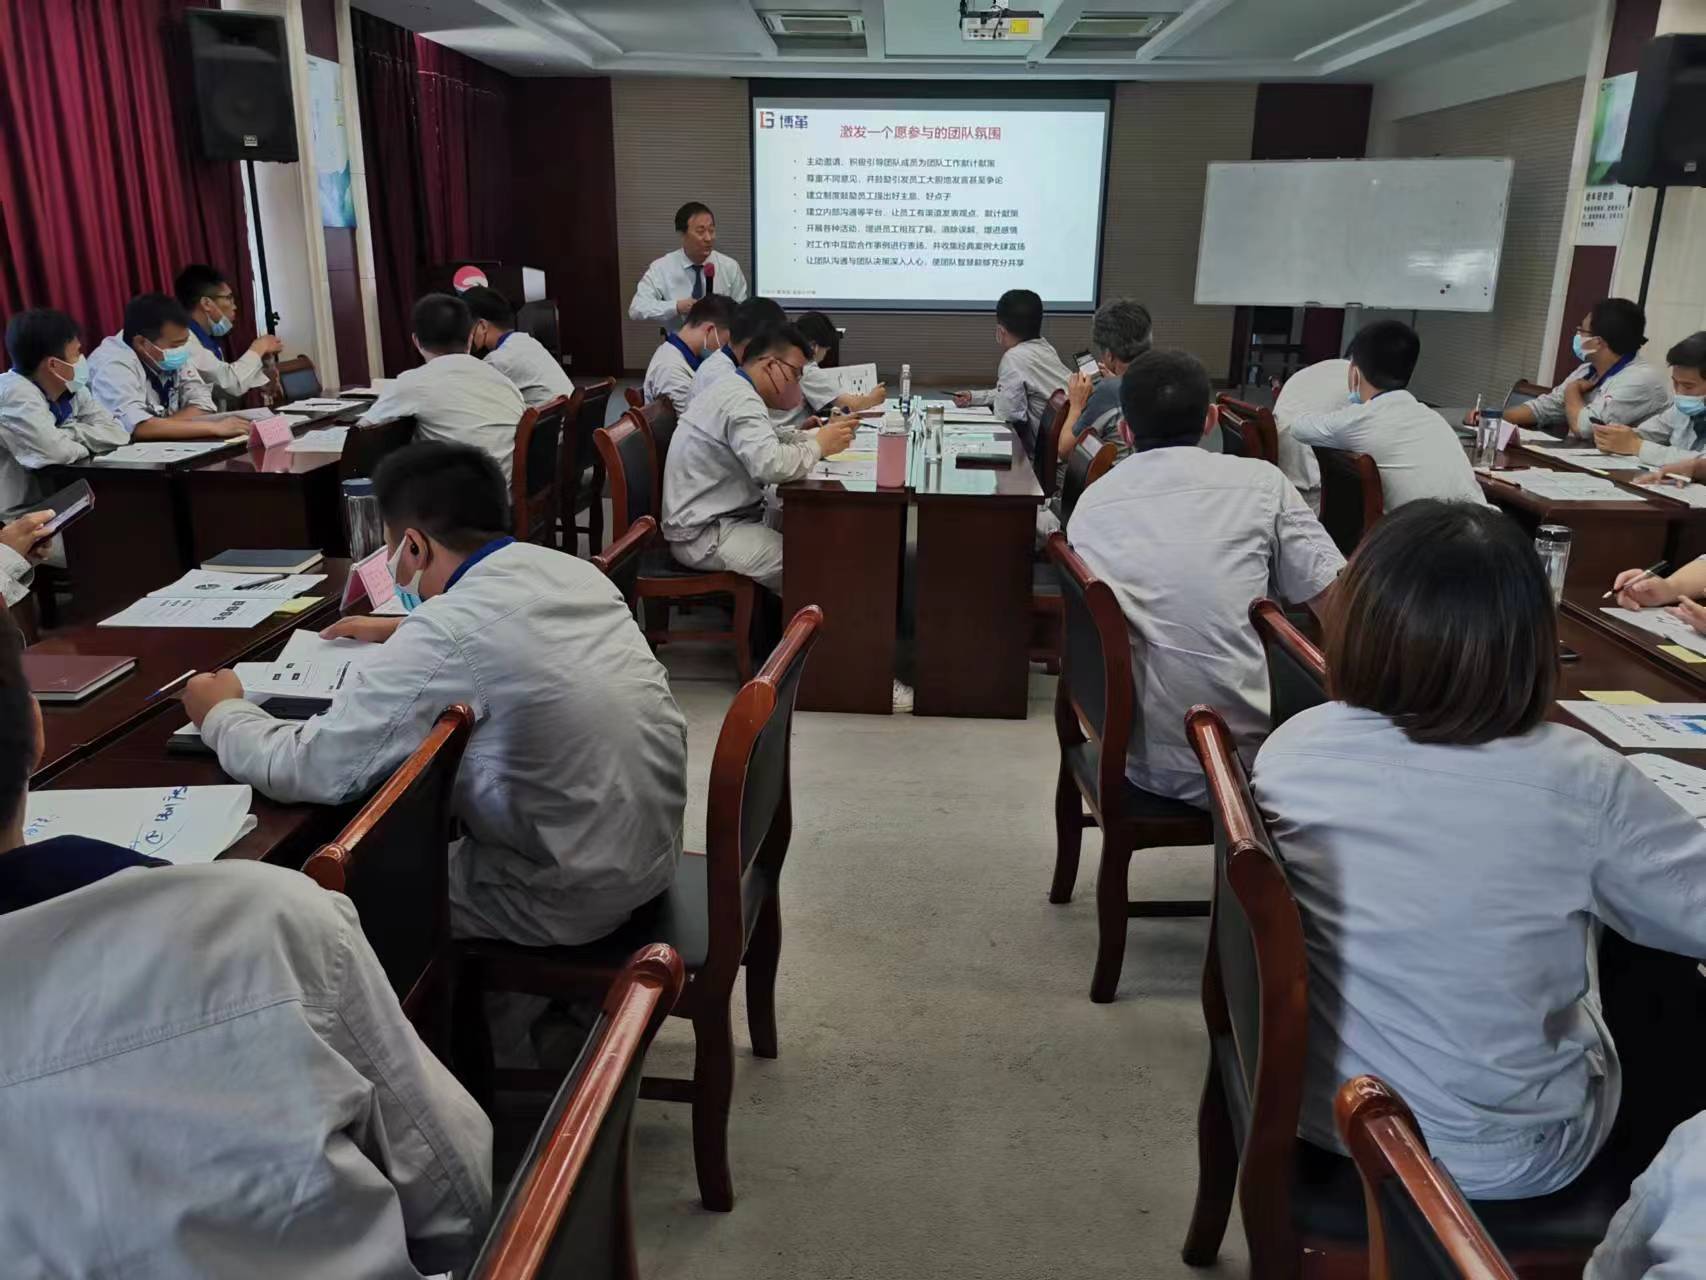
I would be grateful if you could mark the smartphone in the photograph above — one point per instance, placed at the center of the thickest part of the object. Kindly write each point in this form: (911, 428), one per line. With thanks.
(1086, 364)
(69, 504)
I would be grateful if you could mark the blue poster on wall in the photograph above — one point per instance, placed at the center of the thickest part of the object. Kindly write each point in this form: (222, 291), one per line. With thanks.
(331, 147)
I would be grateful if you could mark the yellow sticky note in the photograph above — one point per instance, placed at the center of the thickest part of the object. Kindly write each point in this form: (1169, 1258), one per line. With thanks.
(1619, 697)
(299, 605)
(1021, 26)
(1680, 654)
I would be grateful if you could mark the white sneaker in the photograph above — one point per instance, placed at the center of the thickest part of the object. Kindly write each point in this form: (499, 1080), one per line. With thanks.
(902, 698)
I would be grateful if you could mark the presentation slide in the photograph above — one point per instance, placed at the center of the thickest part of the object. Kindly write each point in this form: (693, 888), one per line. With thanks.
(918, 204)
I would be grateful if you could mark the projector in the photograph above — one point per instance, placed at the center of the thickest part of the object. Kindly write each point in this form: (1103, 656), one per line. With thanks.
(999, 22)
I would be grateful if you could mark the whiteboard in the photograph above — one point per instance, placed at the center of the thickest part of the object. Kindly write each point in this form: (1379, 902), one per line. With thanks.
(1405, 235)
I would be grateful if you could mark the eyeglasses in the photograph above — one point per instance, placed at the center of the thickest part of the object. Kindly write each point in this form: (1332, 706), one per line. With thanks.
(1584, 331)
(795, 371)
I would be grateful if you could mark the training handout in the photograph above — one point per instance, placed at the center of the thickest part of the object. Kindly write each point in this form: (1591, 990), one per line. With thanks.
(309, 667)
(1662, 623)
(321, 440)
(175, 611)
(1592, 459)
(1692, 494)
(179, 824)
(158, 451)
(1659, 726)
(1567, 486)
(855, 379)
(206, 584)
(1681, 782)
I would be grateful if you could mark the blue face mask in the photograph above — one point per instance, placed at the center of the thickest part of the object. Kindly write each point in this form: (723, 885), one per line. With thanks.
(1579, 346)
(220, 327)
(1353, 396)
(1690, 406)
(408, 595)
(173, 358)
(79, 379)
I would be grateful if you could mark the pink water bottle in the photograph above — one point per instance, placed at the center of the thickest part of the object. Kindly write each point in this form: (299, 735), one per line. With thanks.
(891, 452)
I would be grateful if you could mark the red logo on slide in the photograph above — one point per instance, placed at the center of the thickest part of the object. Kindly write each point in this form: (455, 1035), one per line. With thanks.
(766, 119)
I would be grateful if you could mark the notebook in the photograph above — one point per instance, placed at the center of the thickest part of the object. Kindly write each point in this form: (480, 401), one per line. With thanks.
(57, 677)
(285, 561)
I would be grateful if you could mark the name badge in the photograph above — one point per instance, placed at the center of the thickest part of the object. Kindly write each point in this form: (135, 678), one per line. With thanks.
(369, 579)
(269, 433)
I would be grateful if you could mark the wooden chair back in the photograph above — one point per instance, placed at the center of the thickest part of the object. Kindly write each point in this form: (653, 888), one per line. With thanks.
(626, 451)
(593, 399)
(393, 860)
(1521, 392)
(635, 397)
(1297, 669)
(1096, 692)
(1045, 449)
(1351, 497)
(1420, 1226)
(536, 478)
(1090, 460)
(620, 561)
(366, 447)
(1254, 425)
(567, 1213)
(297, 379)
(1255, 992)
(540, 321)
(658, 418)
(749, 809)
(1232, 437)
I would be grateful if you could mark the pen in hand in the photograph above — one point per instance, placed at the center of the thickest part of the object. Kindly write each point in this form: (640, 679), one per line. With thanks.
(1652, 571)
(170, 685)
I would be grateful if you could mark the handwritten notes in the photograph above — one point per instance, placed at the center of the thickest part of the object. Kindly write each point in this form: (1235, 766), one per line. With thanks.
(180, 824)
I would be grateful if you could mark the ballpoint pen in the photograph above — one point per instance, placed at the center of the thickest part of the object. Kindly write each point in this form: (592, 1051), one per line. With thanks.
(1653, 570)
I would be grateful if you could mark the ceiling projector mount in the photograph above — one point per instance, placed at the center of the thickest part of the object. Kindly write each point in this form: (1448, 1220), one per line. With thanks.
(996, 20)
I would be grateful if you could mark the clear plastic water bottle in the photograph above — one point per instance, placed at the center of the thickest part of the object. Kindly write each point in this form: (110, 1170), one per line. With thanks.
(906, 390)
(361, 518)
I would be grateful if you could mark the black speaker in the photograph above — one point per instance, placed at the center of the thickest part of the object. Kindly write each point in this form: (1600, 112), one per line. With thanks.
(242, 85)
(1666, 142)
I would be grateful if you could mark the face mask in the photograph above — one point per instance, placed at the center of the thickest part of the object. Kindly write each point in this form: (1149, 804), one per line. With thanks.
(174, 358)
(1579, 345)
(1690, 406)
(1353, 396)
(408, 595)
(79, 379)
(220, 327)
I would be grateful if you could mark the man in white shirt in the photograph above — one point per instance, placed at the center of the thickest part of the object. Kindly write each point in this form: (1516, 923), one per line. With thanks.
(1610, 385)
(1679, 433)
(1660, 1232)
(669, 375)
(520, 357)
(241, 1095)
(1031, 369)
(674, 282)
(1320, 388)
(144, 378)
(454, 398)
(1417, 451)
(571, 790)
(726, 449)
(206, 295)
(750, 317)
(1187, 539)
(22, 548)
(47, 416)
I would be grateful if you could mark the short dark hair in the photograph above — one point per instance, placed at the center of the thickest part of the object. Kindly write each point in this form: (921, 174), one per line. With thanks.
(34, 335)
(489, 305)
(442, 323)
(1444, 623)
(1122, 328)
(752, 315)
(1385, 353)
(1620, 324)
(17, 721)
(774, 340)
(713, 306)
(197, 281)
(1020, 312)
(147, 315)
(1690, 353)
(820, 330)
(689, 211)
(1164, 397)
(452, 492)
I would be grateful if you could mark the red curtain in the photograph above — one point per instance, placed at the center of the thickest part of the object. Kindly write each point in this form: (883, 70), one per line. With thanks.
(435, 129)
(102, 191)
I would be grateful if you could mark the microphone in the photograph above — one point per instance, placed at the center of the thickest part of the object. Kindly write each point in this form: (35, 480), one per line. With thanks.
(710, 277)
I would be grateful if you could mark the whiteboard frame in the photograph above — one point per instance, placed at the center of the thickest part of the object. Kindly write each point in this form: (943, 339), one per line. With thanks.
(1326, 300)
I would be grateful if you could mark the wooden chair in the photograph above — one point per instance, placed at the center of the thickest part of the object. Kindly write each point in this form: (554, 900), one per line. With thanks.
(366, 447)
(297, 380)
(723, 911)
(393, 861)
(658, 420)
(1254, 425)
(1419, 1225)
(635, 397)
(620, 561)
(540, 321)
(536, 479)
(583, 475)
(1351, 496)
(1521, 392)
(1303, 1207)
(1297, 669)
(1045, 449)
(626, 456)
(1090, 460)
(1095, 715)
(568, 1213)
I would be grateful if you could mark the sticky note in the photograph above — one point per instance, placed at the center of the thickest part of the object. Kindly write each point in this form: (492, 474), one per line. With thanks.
(299, 605)
(269, 433)
(1619, 697)
(1681, 654)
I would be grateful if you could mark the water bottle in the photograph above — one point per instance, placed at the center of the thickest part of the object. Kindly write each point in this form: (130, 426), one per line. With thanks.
(1552, 543)
(362, 526)
(906, 390)
(892, 442)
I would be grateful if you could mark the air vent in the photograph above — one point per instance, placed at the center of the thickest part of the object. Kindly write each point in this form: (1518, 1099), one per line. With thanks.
(821, 46)
(1116, 26)
(820, 26)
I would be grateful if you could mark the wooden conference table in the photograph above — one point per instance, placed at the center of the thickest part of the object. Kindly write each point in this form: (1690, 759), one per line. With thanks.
(845, 543)
(154, 521)
(117, 738)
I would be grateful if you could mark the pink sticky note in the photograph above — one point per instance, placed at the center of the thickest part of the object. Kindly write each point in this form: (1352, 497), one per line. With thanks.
(369, 577)
(271, 432)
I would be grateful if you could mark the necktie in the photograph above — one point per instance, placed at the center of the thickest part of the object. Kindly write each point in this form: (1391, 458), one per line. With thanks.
(698, 271)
